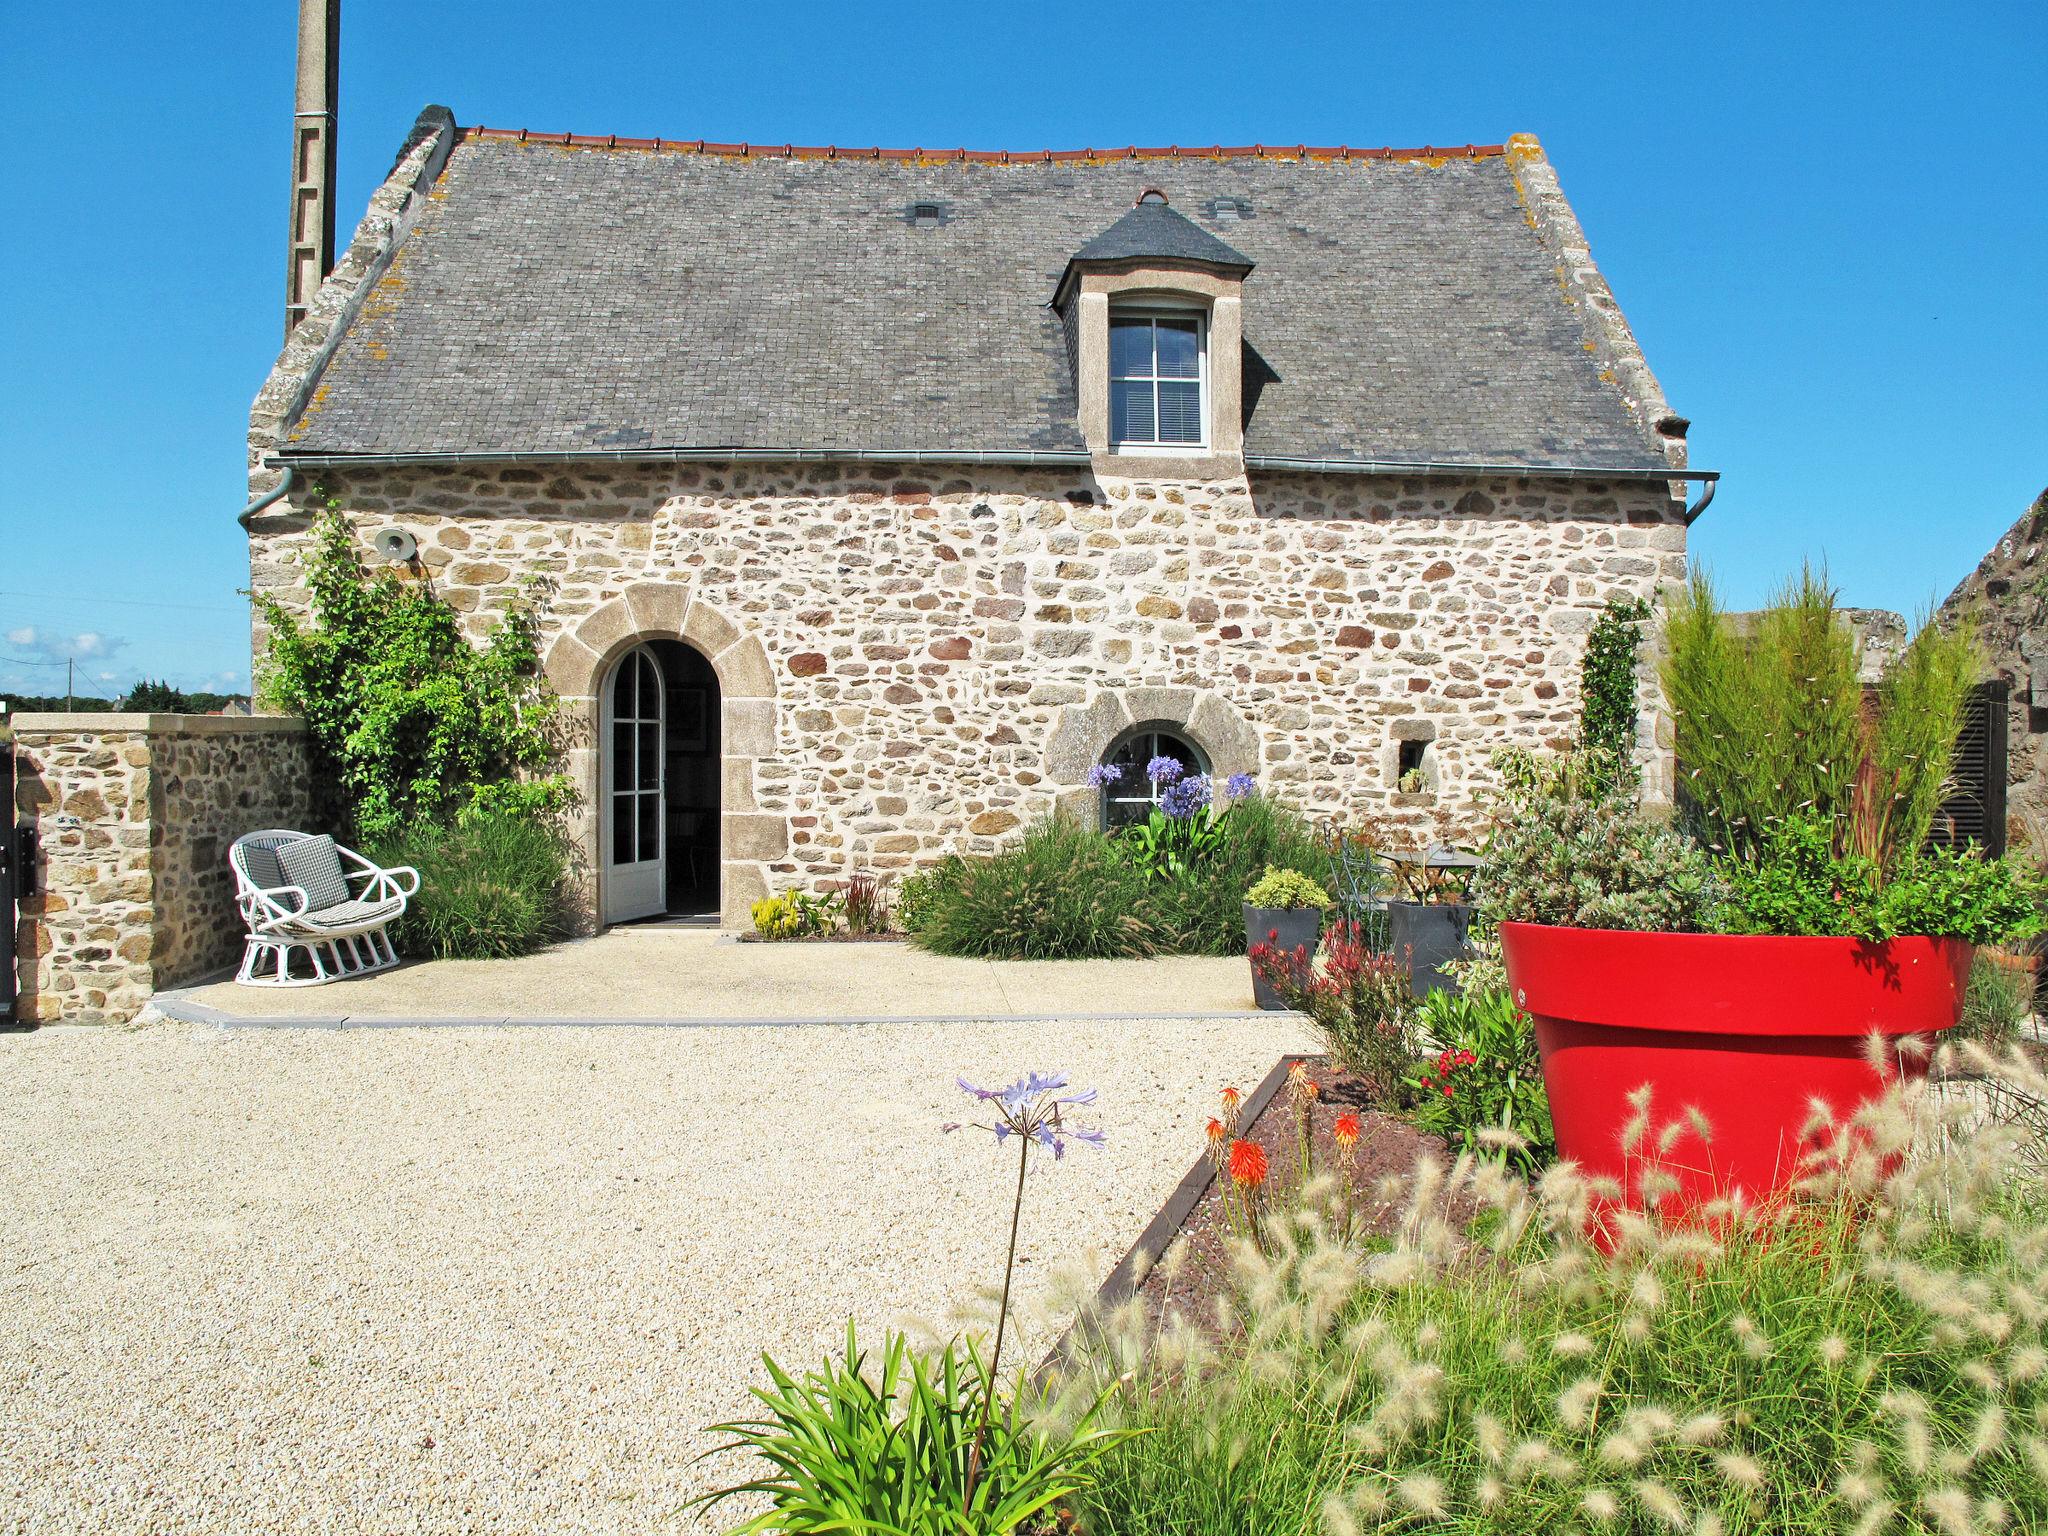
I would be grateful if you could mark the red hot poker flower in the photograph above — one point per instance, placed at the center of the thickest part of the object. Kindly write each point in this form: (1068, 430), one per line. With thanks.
(1230, 1098)
(1216, 1130)
(1247, 1164)
(1346, 1130)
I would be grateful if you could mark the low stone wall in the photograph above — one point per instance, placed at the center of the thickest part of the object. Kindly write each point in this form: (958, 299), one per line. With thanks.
(134, 815)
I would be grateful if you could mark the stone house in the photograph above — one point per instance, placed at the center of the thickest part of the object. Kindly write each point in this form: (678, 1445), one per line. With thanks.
(883, 494)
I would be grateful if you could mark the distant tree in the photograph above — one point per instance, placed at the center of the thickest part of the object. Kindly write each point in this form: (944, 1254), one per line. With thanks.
(148, 698)
(54, 703)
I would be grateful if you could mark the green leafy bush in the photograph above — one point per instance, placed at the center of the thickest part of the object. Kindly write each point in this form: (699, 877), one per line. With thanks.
(1569, 846)
(409, 722)
(1797, 884)
(1868, 1358)
(1286, 890)
(922, 893)
(1483, 1090)
(491, 885)
(858, 1448)
(1064, 892)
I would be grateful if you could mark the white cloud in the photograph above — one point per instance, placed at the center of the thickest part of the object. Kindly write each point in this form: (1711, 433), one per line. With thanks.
(87, 643)
(26, 635)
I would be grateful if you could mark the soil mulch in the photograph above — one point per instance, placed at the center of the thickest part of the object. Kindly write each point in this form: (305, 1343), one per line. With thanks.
(1387, 1147)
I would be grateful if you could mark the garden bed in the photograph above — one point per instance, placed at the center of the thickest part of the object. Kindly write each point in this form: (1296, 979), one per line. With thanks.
(1387, 1148)
(824, 938)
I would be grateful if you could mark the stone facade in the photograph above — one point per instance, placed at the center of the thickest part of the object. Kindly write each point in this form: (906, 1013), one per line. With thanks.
(2006, 596)
(918, 661)
(134, 815)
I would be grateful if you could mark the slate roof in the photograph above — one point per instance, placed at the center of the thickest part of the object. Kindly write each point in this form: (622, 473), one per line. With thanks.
(553, 299)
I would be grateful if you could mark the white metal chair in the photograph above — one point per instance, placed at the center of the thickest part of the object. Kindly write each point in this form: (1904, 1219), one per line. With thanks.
(296, 896)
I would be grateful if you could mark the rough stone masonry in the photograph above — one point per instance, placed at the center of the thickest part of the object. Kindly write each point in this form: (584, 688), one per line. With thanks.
(917, 663)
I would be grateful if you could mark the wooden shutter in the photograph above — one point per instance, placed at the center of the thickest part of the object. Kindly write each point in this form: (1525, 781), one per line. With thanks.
(1973, 810)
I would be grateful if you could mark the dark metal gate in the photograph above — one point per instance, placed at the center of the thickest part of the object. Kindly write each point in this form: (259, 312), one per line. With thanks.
(15, 862)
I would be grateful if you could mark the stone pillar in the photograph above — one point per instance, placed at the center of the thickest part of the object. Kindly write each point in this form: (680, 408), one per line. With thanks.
(134, 815)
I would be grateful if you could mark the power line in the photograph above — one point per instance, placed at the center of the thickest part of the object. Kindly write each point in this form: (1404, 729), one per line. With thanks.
(118, 602)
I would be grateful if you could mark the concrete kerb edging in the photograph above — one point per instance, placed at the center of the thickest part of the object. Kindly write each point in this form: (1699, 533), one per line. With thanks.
(175, 1005)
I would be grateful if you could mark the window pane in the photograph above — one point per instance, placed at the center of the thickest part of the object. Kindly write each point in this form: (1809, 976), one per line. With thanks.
(1130, 412)
(1179, 349)
(1180, 413)
(622, 828)
(622, 754)
(625, 692)
(650, 757)
(1130, 347)
(650, 828)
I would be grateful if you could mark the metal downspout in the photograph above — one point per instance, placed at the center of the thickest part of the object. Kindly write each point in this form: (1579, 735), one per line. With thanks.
(1706, 497)
(248, 514)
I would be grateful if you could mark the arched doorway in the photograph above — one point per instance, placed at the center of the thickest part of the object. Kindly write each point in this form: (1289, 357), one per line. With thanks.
(660, 785)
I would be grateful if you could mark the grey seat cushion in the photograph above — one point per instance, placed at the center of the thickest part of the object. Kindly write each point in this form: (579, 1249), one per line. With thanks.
(315, 868)
(354, 914)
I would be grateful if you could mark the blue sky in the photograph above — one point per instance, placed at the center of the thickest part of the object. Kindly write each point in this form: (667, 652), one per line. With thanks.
(1828, 225)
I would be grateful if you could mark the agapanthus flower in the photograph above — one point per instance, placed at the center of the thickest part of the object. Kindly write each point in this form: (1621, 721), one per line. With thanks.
(1247, 1164)
(1102, 775)
(1184, 797)
(1033, 1107)
(1240, 786)
(1164, 770)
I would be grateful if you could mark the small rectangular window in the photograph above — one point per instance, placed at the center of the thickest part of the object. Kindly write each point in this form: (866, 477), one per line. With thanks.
(1158, 381)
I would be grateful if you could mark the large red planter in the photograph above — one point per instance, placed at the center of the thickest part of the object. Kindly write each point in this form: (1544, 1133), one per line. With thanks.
(1750, 1031)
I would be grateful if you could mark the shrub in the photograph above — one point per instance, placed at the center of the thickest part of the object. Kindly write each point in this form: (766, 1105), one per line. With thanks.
(1771, 723)
(1797, 884)
(1358, 1001)
(795, 915)
(490, 886)
(922, 892)
(1286, 889)
(1569, 846)
(1866, 1358)
(1064, 892)
(409, 722)
(867, 905)
(1483, 1091)
(1203, 910)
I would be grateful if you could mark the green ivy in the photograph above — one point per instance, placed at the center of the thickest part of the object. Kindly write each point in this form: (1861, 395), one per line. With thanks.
(409, 721)
(1607, 719)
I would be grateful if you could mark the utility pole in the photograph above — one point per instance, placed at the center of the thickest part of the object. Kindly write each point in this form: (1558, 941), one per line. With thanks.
(68, 706)
(310, 244)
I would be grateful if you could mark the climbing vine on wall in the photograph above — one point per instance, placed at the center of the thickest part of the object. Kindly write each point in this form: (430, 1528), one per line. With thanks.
(1607, 721)
(409, 721)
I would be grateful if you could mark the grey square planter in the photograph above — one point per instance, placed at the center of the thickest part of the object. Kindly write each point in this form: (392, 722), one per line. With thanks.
(1295, 926)
(1423, 936)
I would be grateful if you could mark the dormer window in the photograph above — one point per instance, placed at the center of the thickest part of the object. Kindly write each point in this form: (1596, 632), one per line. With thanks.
(1158, 380)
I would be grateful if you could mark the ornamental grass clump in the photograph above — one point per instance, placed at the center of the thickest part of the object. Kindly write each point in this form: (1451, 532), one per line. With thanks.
(1063, 892)
(1865, 1357)
(491, 886)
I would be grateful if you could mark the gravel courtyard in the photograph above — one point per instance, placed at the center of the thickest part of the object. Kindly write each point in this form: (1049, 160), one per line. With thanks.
(499, 1279)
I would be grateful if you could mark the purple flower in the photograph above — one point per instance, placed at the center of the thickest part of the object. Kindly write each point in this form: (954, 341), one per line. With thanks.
(1164, 770)
(1034, 1107)
(1103, 775)
(1240, 786)
(1181, 800)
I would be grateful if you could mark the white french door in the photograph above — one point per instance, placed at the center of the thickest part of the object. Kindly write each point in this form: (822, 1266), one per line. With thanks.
(635, 751)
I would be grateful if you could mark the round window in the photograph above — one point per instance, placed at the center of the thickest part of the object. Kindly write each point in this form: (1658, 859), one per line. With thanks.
(1131, 785)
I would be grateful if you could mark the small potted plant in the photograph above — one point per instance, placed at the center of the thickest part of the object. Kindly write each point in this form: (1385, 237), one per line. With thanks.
(1284, 909)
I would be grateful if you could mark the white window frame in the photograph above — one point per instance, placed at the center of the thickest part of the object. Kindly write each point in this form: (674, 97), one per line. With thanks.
(1158, 309)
